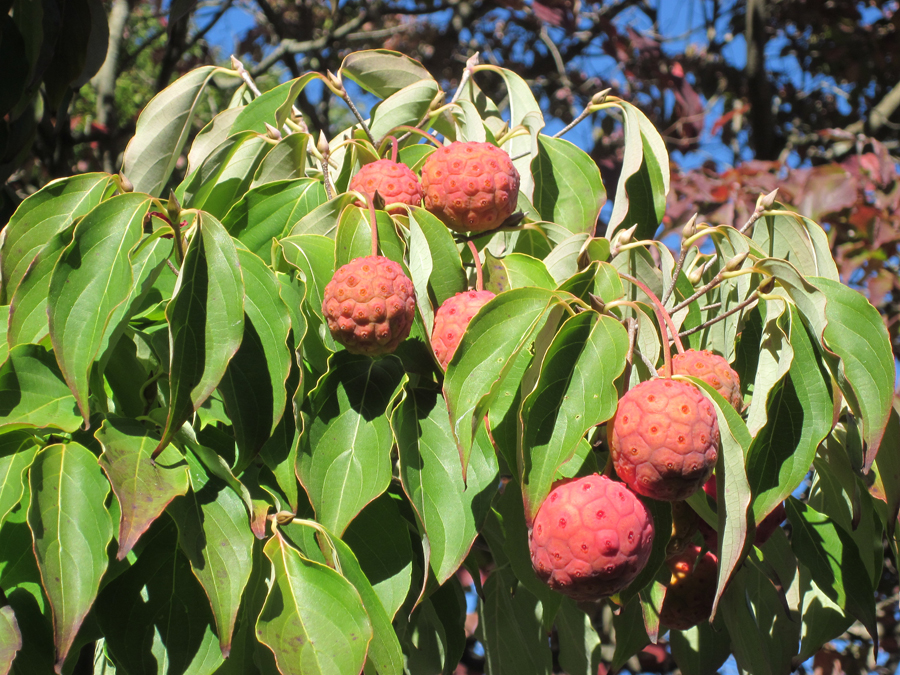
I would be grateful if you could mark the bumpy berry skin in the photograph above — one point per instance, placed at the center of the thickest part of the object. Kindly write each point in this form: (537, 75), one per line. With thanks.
(764, 530)
(471, 187)
(665, 439)
(450, 321)
(691, 591)
(395, 182)
(712, 369)
(369, 305)
(591, 537)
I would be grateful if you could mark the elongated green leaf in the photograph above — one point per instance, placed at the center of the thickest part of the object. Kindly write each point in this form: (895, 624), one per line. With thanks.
(10, 638)
(226, 174)
(731, 484)
(834, 562)
(502, 329)
(450, 512)
(212, 135)
(324, 218)
(775, 358)
(162, 130)
(345, 454)
(253, 386)
(155, 616)
(206, 321)
(857, 334)
(354, 237)
(92, 277)
(379, 539)
(567, 186)
(644, 182)
(17, 451)
(214, 533)
(800, 415)
(314, 620)
(268, 211)
(27, 321)
(71, 529)
(630, 634)
(313, 255)
(764, 637)
(699, 650)
(407, 106)
(273, 106)
(286, 161)
(514, 638)
(434, 261)
(516, 270)
(798, 240)
(579, 643)
(381, 71)
(33, 392)
(575, 392)
(47, 212)
(143, 488)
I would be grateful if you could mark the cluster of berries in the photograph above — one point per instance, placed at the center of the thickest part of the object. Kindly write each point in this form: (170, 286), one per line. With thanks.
(369, 304)
(592, 536)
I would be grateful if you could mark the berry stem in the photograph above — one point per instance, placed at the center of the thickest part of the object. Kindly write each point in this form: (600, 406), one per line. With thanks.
(479, 275)
(665, 321)
(419, 132)
(395, 148)
(373, 222)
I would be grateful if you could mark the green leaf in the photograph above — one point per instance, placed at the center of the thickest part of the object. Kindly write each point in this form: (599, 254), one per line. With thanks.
(313, 255)
(449, 512)
(324, 218)
(567, 186)
(408, 106)
(354, 237)
(764, 637)
(798, 240)
(514, 637)
(579, 643)
(225, 175)
(270, 210)
(212, 135)
(17, 451)
(41, 216)
(562, 262)
(155, 616)
(382, 72)
(10, 638)
(515, 270)
(162, 129)
(644, 182)
(800, 417)
(834, 562)
(215, 535)
(286, 161)
(273, 106)
(144, 488)
(661, 513)
(823, 619)
(424, 640)
(253, 386)
(313, 620)
(856, 333)
(575, 392)
(71, 529)
(345, 453)
(33, 392)
(630, 634)
(91, 279)
(731, 485)
(434, 261)
(379, 539)
(700, 650)
(206, 321)
(486, 353)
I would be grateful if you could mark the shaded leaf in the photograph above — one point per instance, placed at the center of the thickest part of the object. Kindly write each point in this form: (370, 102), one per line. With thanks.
(33, 392)
(17, 451)
(568, 189)
(10, 638)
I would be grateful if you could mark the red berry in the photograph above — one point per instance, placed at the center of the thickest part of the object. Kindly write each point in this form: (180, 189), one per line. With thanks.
(591, 537)
(691, 590)
(451, 320)
(665, 439)
(369, 305)
(712, 369)
(471, 187)
(395, 182)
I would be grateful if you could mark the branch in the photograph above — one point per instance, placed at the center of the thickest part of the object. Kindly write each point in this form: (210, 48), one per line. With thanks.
(105, 80)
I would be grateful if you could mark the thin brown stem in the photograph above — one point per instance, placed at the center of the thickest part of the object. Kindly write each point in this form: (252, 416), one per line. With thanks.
(737, 308)
(715, 281)
(631, 325)
(359, 117)
(479, 275)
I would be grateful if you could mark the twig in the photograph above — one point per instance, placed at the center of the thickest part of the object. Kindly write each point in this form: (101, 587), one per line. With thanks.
(245, 75)
(715, 281)
(762, 203)
(589, 109)
(737, 308)
(665, 321)
(631, 325)
(373, 223)
(471, 62)
(715, 305)
(322, 147)
(689, 230)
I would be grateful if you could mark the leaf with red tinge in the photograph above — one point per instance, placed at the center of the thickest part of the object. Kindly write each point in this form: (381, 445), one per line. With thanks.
(71, 529)
(10, 639)
(313, 619)
(144, 488)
